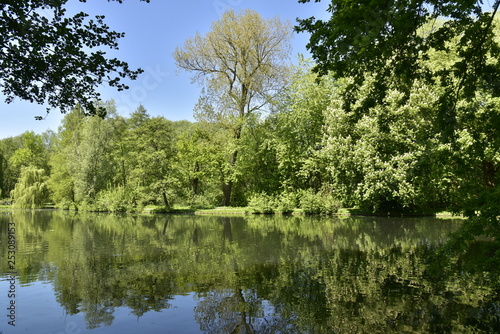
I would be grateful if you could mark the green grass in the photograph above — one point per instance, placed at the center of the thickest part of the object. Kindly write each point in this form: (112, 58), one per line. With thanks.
(186, 209)
(224, 210)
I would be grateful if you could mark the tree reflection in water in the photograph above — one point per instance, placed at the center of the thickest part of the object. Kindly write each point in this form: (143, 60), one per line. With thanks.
(262, 274)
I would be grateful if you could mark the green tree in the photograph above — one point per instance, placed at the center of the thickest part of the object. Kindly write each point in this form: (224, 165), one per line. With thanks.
(62, 178)
(49, 57)
(31, 191)
(388, 158)
(32, 152)
(298, 128)
(385, 39)
(152, 174)
(241, 64)
(9, 174)
(91, 163)
(198, 156)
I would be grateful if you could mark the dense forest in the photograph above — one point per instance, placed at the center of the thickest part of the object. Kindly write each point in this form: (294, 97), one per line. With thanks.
(306, 146)
(275, 136)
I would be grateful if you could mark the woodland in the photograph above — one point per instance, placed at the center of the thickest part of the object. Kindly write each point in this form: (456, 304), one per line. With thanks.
(397, 114)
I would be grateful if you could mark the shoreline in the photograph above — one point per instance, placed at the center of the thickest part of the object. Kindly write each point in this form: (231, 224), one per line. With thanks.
(246, 211)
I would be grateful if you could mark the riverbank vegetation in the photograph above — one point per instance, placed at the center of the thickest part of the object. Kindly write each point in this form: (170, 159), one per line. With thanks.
(282, 139)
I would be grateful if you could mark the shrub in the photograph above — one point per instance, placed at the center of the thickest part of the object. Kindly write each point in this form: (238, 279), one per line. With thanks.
(311, 203)
(200, 202)
(262, 203)
(318, 203)
(116, 200)
(66, 204)
(285, 203)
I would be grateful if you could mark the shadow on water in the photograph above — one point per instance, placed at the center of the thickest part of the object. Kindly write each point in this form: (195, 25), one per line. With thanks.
(260, 274)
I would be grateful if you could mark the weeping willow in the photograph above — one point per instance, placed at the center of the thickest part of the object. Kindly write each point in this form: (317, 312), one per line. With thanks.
(30, 191)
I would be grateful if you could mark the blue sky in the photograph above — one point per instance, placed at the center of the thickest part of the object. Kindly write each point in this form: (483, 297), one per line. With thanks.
(153, 31)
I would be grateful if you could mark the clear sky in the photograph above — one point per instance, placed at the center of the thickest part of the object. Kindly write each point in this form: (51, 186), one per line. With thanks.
(152, 32)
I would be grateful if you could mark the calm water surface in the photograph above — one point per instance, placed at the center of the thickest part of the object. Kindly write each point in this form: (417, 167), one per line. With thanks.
(96, 273)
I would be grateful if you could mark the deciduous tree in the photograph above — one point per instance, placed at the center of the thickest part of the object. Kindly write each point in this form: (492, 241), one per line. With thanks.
(49, 57)
(241, 64)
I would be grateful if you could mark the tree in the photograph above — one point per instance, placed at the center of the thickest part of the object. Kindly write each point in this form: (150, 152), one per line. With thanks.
(62, 180)
(385, 37)
(9, 174)
(31, 190)
(299, 127)
(91, 163)
(391, 42)
(198, 157)
(388, 159)
(48, 57)
(33, 152)
(241, 64)
(152, 157)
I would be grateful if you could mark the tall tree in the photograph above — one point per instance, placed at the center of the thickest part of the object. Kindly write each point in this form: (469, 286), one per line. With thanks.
(49, 57)
(385, 38)
(10, 174)
(152, 159)
(92, 164)
(298, 127)
(62, 181)
(241, 64)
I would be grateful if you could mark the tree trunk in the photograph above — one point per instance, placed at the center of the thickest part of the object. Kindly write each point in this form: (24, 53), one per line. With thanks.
(489, 173)
(196, 180)
(165, 200)
(226, 192)
(227, 187)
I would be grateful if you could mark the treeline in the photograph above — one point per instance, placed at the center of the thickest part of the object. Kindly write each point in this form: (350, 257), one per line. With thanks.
(314, 149)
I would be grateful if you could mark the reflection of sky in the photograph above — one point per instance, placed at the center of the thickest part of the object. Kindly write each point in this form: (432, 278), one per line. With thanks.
(269, 273)
(37, 311)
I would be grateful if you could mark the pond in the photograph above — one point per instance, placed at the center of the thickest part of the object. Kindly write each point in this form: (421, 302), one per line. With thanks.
(64, 272)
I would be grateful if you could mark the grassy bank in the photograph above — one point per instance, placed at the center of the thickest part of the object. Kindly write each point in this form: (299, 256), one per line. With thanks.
(177, 209)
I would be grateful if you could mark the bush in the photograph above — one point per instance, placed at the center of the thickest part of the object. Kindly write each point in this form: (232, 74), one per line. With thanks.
(310, 203)
(262, 203)
(318, 203)
(285, 203)
(66, 204)
(200, 202)
(115, 200)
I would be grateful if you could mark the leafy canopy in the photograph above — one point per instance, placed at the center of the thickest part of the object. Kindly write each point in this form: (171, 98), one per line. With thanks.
(386, 38)
(49, 57)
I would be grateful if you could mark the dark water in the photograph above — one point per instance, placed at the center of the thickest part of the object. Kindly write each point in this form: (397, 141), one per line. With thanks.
(96, 273)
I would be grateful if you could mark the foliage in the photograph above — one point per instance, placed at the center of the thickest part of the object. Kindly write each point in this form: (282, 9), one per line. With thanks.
(49, 57)
(405, 47)
(262, 203)
(198, 164)
(31, 190)
(318, 203)
(118, 200)
(91, 164)
(32, 152)
(385, 159)
(152, 172)
(241, 63)
(286, 203)
(386, 38)
(298, 128)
